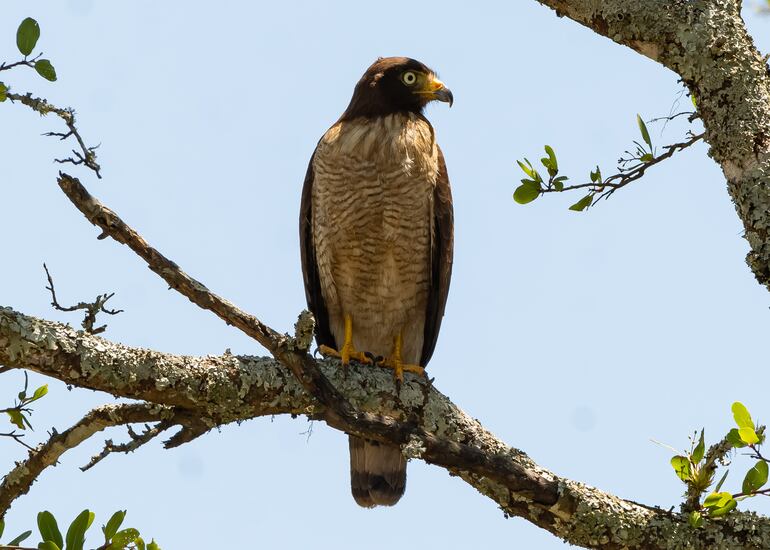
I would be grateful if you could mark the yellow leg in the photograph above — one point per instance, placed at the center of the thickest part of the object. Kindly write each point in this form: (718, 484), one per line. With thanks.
(399, 367)
(347, 352)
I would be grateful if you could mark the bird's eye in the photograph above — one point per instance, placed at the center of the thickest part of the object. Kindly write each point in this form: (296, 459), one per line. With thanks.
(409, 78)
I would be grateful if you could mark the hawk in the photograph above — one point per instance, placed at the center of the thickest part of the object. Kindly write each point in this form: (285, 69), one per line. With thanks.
(376, 238)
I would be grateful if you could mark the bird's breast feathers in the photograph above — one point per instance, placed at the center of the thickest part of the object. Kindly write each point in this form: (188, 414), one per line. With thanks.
(402, 141)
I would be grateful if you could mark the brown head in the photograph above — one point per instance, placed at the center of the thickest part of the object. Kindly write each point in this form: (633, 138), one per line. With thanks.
(395, 84)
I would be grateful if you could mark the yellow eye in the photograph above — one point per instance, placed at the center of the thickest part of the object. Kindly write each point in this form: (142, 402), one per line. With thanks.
(409, 78)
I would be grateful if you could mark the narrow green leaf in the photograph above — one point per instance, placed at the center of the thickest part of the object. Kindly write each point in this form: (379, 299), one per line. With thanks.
(15, 542)
(48, 545)
(748, 435)
(721, 481)
(526, 192)
(723, 510)
(3, 92)
(123, 538)
(756, 477)
(45, 69)
(76, 534)
(582, 204)
(113, 524)
(700, 450)
(27, 35)
(647, 157)
(681, 466)
(643, 130)
(16, 418)
(527, 169)
(550, 162)
(694, 102)
(742, 416)
(2, 527)
(695, 519)
(49, 529)
(735, 438)
(551, 156)
(40, 392)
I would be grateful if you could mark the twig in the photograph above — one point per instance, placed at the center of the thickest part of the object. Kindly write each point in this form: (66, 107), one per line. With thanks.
(86, 155)
(92, 308)
(137, 440)
(25, 62)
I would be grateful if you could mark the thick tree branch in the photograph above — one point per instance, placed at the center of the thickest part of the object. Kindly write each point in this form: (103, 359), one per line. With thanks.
(706, 43)
(424, 422)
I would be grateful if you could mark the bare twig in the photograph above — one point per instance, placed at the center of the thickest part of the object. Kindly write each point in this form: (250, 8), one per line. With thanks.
(137, 440)
(92, 308)
(24, 62)
(86, 155)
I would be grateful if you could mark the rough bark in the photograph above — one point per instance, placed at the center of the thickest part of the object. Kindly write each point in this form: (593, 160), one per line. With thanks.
(706, 43)
(427, 425)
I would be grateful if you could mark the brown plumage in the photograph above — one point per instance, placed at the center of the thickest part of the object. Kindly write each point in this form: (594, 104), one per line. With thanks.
(376, 237)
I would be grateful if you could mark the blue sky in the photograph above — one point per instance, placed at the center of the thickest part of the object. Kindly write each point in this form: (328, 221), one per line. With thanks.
(576, 337)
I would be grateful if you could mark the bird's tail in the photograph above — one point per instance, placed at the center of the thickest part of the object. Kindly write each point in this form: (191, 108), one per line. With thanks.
(377, 473)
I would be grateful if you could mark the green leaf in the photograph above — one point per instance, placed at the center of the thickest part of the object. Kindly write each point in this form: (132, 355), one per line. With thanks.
(113, 524)
(694, 102)
(527, 168)
(526, 192)
(596, 175)
(123, 538)
(742, 416)
(582, 204)
(76, 534)
(643, 130)
(723, 510)
(647, 157)
(735, 438)
(2, 527)
(717, 500)
(756, 477)
(20, 538)
(153, 545)
(49, 529)
(45, 69)
(27, 35)
(40, 392)
(48, 545)
(550, 162)
(748, 435)
(695, 519)
(681, 466)
(16, 418)
(721, 481)
(558, 183)
(700, 450)
(3, 92)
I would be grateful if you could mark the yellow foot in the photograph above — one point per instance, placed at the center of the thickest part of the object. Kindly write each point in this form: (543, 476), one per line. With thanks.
(399, 368)
(347, 353)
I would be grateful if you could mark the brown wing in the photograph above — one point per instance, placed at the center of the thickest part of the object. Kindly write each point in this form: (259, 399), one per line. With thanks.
(315, 300)
(442, 247)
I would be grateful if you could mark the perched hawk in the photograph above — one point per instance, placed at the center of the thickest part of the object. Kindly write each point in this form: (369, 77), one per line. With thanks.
(376, 232)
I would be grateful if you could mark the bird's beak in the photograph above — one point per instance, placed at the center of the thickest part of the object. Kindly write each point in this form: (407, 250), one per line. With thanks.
(435, 89)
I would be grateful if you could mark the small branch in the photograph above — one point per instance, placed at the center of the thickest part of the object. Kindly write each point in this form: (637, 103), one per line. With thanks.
(92, 308)
(137, 440)
(16, 437)
(617, 181)
(19, 480)
(24, 62)
(86, 155)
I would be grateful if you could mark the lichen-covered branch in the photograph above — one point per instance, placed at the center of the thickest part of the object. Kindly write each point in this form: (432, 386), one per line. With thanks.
(706, 43)
(220, 389)
(19, 480)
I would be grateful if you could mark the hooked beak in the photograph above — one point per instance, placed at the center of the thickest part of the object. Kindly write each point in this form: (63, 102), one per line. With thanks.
(435, 89)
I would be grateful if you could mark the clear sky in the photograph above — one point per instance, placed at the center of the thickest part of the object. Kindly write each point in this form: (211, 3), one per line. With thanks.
(576, 337)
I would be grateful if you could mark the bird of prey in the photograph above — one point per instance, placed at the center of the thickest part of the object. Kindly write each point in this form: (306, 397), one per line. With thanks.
(376, 236)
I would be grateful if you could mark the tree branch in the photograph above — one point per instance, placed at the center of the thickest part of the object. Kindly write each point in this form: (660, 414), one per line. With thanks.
(19, 480)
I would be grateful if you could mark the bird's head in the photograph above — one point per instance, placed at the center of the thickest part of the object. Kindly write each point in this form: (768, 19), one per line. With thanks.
(396, 84)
